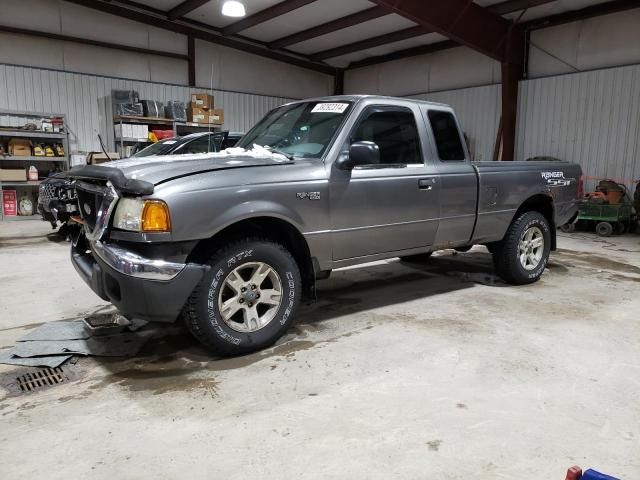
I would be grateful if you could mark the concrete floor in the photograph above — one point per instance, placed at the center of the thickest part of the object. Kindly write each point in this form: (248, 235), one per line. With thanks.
(400, 371)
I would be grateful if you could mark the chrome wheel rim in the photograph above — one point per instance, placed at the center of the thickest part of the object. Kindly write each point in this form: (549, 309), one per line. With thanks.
(531, 248)
(250, 297)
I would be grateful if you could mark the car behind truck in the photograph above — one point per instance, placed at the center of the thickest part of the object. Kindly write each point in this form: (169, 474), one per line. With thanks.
(233, 241)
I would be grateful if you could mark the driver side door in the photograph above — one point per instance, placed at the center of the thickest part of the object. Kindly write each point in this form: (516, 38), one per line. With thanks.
(389, 206)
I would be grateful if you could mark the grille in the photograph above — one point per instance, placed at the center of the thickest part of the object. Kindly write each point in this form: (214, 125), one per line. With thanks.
(89, 204)
(49, 191)
(46, 193)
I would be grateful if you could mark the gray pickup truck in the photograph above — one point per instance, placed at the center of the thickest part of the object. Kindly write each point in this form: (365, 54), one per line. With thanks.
(233, 241)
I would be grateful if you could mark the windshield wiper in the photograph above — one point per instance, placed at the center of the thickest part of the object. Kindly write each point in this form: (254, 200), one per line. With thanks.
(288, 156)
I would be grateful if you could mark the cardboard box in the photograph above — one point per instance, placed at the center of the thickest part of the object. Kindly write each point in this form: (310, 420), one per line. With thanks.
(202, 100)
(213, 117)
(141, 131)
(217, 115)
(95, 158)
(78, 159)
(9, 203)
(124, 130)
(13, 175)
(20, 147)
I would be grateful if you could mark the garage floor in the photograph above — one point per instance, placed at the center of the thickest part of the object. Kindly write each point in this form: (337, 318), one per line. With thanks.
(400, 371)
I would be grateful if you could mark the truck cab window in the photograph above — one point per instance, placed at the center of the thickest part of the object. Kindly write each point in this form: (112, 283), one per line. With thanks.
(446, 135)
(396, 134)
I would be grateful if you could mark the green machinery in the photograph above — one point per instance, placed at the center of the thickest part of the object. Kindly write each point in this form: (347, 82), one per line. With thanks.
(608, 218)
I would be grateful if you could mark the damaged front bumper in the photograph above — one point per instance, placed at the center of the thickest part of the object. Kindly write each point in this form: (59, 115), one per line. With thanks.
(140, 287)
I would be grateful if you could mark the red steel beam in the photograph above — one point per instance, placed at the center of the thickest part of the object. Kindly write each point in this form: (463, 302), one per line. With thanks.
(510, 6)
(409, 52)
(265, 15)
(329, 27)
(185, 28)
(396, 36)
(95, 43)
(460, 20)
(185, 7)
(582, 14)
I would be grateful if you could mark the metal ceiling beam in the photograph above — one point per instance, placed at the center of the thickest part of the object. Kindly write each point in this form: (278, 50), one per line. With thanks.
(582, 14)
(95, 43)
(510, 6)
(550, 21)
(185, 7)
(265, 15)
(409, 52)
(329, 27)
(185, 28)
(460, 20)
(396, 36)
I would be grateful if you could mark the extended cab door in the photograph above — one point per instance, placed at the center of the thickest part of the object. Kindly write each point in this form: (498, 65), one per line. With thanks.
(392, 205)
(458, 179)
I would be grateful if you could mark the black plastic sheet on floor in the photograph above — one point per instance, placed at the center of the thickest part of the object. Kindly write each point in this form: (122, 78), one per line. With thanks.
(52, 344)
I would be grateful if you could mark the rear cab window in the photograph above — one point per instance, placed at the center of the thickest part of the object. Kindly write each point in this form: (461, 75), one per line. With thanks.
(446, 135)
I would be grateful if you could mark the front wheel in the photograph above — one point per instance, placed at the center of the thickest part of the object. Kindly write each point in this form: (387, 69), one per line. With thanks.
(248, 298)
(524, 252)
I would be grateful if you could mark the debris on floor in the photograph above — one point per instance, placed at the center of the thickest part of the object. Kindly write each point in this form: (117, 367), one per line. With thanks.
(52, 344)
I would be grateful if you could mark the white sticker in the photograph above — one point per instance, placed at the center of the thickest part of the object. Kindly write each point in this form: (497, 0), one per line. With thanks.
(330, 108)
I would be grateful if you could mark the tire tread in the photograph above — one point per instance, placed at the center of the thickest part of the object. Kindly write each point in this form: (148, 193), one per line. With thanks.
(190, 312)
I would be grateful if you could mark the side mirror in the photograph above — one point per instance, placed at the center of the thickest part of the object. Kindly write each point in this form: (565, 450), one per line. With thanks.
(360, 153)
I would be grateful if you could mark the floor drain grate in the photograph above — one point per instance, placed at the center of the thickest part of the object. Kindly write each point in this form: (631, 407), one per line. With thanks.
(36, 379)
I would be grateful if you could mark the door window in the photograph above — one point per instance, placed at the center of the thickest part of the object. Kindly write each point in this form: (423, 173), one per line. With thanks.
(446, 135)
(395, 132)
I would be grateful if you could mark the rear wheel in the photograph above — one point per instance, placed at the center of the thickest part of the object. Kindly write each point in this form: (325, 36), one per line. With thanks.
(604, 229)
(524, 252)
(248, 298)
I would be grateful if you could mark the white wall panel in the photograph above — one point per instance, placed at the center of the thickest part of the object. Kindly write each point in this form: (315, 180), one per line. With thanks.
(85, 100)
(244, 72)
(592, 118)
(445, 70)
(478, 111)
(605, 41)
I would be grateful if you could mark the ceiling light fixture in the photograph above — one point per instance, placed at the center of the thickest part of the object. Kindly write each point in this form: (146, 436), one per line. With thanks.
(232, 8)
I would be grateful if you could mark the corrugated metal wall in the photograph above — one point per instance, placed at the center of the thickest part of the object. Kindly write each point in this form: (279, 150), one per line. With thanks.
(478, 110)
(592, 118)
(85, 99)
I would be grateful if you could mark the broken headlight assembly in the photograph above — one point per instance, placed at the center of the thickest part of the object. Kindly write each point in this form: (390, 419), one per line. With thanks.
(138, 215)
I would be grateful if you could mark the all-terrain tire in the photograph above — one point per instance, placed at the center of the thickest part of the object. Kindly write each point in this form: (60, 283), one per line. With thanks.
(506, 257)
(202, 314)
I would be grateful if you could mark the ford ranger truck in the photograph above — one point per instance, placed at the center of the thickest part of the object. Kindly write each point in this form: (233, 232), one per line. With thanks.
(231, 242)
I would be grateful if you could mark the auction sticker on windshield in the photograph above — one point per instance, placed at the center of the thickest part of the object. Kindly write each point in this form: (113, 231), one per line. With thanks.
(330, 108)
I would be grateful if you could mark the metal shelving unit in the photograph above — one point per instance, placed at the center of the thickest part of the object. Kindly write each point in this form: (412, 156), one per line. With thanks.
(11, 131)
(179, 128)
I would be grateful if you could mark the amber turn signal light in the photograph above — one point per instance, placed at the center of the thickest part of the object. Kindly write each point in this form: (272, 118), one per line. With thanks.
(155, 217)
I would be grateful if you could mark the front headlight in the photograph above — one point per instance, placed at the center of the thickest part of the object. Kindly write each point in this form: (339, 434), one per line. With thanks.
(137, 215)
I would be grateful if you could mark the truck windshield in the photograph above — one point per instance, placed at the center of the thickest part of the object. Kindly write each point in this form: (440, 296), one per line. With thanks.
(302, 129)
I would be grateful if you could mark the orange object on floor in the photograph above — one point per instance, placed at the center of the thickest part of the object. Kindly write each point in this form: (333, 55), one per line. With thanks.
(574, 473)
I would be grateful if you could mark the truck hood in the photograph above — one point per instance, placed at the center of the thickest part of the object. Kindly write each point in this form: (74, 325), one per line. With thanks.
(162, 168)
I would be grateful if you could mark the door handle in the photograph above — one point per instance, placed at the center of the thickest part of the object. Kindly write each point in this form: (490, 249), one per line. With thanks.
(426, 183)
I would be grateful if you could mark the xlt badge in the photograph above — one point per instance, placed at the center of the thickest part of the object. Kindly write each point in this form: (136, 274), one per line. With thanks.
(309, 195)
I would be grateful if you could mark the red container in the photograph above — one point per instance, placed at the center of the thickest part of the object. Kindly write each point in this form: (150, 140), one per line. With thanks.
(162, 134)
(9, 203)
